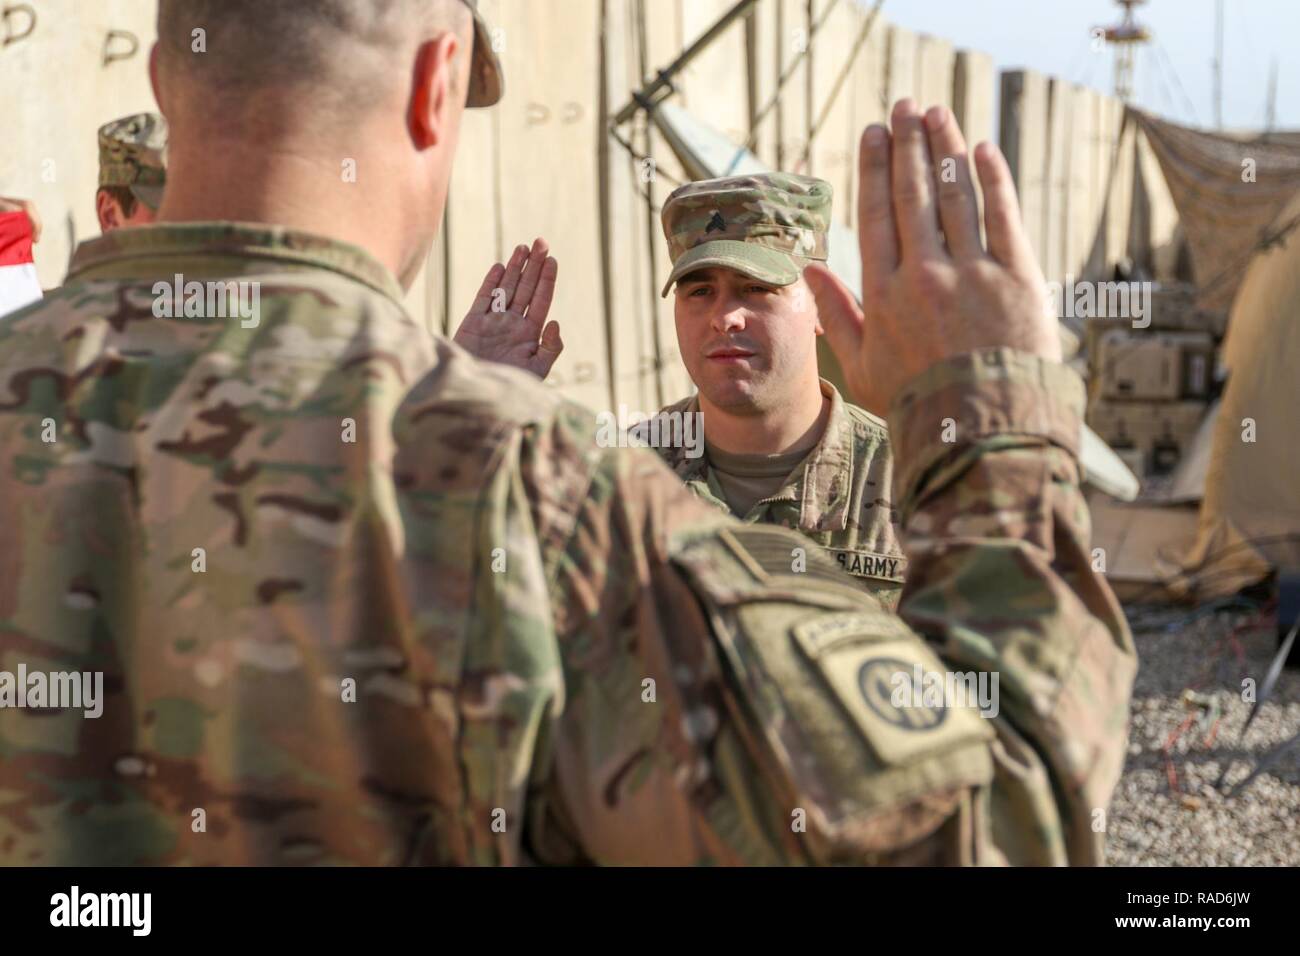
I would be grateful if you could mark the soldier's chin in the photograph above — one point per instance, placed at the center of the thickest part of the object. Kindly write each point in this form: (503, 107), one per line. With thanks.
(733, 395)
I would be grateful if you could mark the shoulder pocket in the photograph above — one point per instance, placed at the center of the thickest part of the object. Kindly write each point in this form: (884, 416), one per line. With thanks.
(815, 670)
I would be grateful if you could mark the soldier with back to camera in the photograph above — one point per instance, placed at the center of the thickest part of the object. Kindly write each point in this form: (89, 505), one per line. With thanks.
(362, 598)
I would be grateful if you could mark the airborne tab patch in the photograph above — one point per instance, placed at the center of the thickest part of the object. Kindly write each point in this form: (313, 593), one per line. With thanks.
(866, 675)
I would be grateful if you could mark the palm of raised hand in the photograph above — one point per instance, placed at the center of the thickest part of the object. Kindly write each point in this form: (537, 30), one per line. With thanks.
(507, 322)
(931, 287)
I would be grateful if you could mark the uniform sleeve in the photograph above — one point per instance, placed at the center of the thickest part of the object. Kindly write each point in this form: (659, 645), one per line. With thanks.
(711, 712)
(1001, 580)
(729, 694)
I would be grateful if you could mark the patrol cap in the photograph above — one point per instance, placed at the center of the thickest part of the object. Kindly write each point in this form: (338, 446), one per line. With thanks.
(132, 154)
(767, 227)
(486, 78)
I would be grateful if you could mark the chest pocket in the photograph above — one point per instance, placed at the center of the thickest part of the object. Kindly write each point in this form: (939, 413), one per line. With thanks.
(815, 665)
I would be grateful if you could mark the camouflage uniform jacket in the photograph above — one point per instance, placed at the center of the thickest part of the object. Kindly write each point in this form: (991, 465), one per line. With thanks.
(839, 498)
(357, 597)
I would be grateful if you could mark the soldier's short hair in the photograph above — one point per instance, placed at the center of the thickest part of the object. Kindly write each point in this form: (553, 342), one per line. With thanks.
(339, 51)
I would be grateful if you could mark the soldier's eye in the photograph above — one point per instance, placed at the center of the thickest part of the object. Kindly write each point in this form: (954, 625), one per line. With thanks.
(699, 290)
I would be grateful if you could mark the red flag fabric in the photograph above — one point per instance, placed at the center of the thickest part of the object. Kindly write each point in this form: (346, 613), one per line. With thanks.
(19, 285)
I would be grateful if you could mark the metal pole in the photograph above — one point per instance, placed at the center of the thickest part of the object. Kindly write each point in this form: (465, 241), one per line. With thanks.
(1218, 65)
(1270, 114)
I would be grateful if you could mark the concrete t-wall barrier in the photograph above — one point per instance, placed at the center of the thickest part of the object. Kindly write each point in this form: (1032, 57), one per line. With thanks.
(1099, 166)
(1023, 137)
(1081, 208)
(793, 30)
(1078, 182)
(715, 83)
(834, 149)
(900, 64)
(973, 81)
(58, 92)
(631, 306)
(553, 115)
(1075, 174)
(1056, 166)
(934, 72)
(661, 38)
(869, 104)
(1119, 198)
(973, 88)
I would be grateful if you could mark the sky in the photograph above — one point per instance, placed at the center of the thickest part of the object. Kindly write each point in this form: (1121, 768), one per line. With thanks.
(1173, 74)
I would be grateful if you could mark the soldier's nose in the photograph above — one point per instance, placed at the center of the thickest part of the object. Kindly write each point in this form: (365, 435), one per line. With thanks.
(729, 320)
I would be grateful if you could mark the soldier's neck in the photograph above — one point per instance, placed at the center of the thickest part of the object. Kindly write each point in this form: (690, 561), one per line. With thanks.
(772, 431)
(237, 183)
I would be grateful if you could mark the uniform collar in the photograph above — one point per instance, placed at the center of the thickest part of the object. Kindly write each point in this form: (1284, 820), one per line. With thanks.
(176, 247)
(822, 485)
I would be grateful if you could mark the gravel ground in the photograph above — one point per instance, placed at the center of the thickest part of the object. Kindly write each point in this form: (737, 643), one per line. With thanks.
(1152, 825)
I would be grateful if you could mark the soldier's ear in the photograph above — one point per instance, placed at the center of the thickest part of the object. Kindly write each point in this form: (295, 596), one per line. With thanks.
(436, 94)
(106, 208)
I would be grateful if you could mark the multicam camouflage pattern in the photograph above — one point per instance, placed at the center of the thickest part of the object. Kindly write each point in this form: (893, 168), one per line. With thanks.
(839, 497)
(502, 591)
(767, 226)
(132, 153)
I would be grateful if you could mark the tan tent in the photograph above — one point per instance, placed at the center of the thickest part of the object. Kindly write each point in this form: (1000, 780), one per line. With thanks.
(1250, 516)
(1227, 190)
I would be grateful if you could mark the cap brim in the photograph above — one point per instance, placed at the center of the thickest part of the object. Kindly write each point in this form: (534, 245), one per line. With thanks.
(486, 81)
(748, 258)
(151, 196)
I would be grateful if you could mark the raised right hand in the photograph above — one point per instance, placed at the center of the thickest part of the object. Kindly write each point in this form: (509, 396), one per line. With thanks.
(925, 299)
